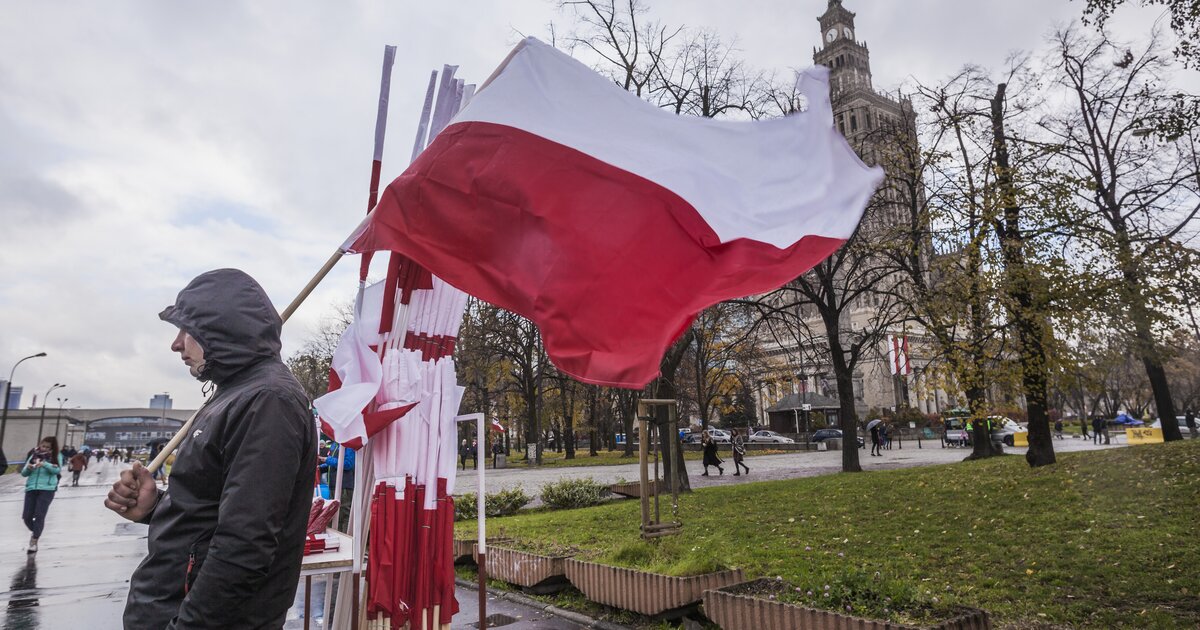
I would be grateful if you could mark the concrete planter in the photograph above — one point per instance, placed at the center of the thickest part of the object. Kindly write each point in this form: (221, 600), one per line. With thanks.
(464, 548)
(646, 593)
(735, 611)
(536, 574)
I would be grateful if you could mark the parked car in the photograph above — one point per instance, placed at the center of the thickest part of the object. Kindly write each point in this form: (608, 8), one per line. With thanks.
(719, 436)
(770, 437)
(959, 433)
(1183, 427)
(956, 432)
(820, 435)
(1003, 430)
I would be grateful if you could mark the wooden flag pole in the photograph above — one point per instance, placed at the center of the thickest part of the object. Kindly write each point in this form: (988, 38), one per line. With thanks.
(304, 293)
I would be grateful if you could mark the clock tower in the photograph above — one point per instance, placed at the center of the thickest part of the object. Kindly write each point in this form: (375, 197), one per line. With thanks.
(881, 128)
(848, 59)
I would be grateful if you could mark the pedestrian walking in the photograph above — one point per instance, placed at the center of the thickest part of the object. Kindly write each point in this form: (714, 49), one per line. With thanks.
(1097, 427)
(739, 453)
(876, 440)
(1189, 418)
(463, 451)
(710, 454)
(77, 464)
(473, 453)
(42, 471)
(497, 449)
(330, 467)
(1083, 426)
(227, 536)
(1058, 429)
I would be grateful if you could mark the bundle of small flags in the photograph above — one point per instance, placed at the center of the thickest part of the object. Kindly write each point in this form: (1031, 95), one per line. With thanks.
(319, 517)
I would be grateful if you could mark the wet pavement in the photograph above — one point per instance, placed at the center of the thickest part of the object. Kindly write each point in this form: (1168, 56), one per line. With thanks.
(80, 575)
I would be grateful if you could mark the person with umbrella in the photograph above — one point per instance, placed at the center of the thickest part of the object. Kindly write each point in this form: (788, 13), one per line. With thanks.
(876, 437)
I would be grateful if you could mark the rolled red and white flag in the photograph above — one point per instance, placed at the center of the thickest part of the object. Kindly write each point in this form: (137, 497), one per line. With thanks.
(610, 222)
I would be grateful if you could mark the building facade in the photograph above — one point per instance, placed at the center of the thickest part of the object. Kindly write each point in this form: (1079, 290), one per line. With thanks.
(97, 428)
(896, 373)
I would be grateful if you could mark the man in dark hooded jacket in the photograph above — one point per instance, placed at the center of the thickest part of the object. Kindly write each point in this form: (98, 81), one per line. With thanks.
(227, 537)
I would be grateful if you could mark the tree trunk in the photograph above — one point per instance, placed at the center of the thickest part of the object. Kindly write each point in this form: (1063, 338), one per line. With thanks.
(533, 420)
(847, 416)
(1030, 310)
(1144, 342)
(627, 414)
(664, 387)
(592, 421)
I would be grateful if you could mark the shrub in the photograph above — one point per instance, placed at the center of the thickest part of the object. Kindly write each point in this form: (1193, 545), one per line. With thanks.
(502, 503)
(506, 502)
(574, 493)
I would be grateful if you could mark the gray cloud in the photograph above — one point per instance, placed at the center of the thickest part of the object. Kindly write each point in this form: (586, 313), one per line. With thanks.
(144, 143)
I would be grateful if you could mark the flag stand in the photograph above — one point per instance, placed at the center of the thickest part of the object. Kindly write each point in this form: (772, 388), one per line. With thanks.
(652, 525)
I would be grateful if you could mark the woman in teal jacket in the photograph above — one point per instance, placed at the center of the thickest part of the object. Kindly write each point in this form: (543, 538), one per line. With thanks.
(41, 471)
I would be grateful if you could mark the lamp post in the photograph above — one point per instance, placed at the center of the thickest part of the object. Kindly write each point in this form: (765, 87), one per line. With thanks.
(7, 389)
(58, 417)
(42, 419)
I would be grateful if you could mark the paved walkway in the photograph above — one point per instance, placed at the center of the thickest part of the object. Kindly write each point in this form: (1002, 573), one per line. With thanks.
(80, 576)
(762, 467)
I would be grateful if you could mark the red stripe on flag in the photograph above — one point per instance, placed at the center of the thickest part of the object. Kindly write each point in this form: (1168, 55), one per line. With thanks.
(611, 266)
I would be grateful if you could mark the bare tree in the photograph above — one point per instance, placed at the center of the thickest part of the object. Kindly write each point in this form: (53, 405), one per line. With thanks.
(626, 45)
(1138, 193)
(311, 363)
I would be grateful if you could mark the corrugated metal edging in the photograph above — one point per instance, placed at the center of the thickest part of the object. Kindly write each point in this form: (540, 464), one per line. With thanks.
(743, 612)
(522, 568)
(641, 592)
(464, 548)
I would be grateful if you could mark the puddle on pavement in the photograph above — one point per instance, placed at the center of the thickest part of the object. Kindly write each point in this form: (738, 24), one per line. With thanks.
(496, 620)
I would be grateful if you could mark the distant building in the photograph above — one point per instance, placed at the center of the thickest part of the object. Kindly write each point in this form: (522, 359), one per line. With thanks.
(800, 368)
(97, 428)
(14, 395)
(161, 401)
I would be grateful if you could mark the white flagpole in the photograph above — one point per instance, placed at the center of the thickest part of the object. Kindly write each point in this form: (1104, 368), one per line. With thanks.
(481, 517)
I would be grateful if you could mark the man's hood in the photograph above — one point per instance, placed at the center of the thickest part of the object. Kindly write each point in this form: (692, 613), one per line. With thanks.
(232, 319)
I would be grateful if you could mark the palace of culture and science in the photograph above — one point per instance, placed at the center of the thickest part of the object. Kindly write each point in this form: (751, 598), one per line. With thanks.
(799, 376)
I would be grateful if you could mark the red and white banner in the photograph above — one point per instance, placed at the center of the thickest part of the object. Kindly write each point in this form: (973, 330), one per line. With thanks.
(898, 360)
(609, 222)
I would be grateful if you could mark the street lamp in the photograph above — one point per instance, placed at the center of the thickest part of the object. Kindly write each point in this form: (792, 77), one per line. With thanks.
(42, 420)
(58, 416)
(7, 389)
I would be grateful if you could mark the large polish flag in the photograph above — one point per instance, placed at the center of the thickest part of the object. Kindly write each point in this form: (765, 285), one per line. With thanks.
(611, 223)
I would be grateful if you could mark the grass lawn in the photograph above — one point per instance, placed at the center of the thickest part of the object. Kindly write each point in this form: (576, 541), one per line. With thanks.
(551, 459)
(1100, 540)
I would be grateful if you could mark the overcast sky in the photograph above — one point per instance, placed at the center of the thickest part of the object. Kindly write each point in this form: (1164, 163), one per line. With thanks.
(142, 143)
